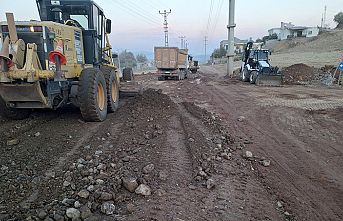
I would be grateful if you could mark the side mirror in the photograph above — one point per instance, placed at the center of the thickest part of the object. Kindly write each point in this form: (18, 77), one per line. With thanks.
(108, 26)
(270, 53)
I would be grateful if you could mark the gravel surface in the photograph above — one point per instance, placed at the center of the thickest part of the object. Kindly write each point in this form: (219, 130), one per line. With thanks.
(206, 148)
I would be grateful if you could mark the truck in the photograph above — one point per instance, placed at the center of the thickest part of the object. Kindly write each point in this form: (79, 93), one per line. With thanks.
(66, 58)
(193, 65)
(171, 63)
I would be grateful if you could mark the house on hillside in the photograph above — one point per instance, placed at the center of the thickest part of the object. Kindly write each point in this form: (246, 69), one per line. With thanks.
(288, 30)
(239, 45)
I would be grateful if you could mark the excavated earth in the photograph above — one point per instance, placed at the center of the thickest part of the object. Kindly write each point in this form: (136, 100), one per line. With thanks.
(206, 148)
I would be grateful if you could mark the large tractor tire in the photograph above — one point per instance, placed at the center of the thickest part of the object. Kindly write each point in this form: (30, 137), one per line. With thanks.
(13, 113)
(253, 77)
(112, 86)
(92, 94)
(128, 74)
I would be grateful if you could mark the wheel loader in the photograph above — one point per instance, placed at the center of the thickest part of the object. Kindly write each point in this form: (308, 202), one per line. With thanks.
(66, 58)
(256, 68)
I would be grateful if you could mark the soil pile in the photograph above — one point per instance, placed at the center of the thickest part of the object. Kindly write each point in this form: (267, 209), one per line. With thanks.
(298, 74)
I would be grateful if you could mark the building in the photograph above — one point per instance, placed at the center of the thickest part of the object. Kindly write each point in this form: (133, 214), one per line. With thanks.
(239, 45)
(288, 30)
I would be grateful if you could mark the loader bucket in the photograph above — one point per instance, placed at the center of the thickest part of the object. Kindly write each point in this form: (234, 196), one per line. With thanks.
(269, 80)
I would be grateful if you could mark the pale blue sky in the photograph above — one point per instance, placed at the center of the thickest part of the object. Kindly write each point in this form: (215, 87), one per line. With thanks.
(137, 25)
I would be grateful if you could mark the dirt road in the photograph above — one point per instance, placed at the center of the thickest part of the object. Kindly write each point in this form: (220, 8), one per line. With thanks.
(187, 142)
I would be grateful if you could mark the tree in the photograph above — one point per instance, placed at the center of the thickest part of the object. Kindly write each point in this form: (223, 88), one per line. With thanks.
(219, 52)
(141, 58)
(339, 20)
(259, 40)
(127, 59)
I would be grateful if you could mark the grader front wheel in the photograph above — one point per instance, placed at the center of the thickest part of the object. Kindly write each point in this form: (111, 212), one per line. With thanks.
(112, 85)
(92, 95)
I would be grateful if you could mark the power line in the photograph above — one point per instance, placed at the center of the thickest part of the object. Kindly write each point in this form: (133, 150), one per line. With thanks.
(218, 13)
(209, 17)
(136, 13)
(165, 17)
(144, 11)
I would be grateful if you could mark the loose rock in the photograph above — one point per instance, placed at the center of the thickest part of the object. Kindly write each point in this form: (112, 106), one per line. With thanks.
(42, 214)
(130, 208)
(105, 196)
(73, 213)
(248, 154)
(83, 194)
(108, 208)
(12, 142)
(241, 118)
(210, 184)
(130, 184)
(143, 190)
(85, 212)
(266, 163)
(149, 168)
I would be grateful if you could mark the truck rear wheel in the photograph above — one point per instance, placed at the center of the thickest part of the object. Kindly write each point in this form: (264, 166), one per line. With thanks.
(93, 95)
(112, 86)
(13, 113)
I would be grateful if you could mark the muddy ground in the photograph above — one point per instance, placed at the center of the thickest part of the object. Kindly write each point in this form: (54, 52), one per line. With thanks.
(206, 148)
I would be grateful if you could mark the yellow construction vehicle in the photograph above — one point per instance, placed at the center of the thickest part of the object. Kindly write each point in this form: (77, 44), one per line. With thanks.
(64, 58)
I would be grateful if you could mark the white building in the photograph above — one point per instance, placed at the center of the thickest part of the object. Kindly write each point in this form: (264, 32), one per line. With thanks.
(288, 30)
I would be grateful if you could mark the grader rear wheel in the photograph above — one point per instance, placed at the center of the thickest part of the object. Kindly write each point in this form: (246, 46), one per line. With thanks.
(92, 95)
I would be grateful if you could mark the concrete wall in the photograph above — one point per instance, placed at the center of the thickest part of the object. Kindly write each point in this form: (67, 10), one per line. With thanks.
(284, 34)
(311, 32)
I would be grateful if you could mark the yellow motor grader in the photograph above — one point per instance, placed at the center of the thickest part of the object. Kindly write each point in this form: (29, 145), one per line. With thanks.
(64, 58)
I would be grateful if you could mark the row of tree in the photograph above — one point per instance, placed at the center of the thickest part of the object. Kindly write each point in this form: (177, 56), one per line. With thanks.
(129, 60)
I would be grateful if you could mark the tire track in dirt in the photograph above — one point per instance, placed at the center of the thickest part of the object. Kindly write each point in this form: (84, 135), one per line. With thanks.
(229, 201)
(298, 181)
(177, 201)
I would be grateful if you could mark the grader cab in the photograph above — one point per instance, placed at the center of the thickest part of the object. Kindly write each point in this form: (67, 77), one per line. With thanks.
(64, 58)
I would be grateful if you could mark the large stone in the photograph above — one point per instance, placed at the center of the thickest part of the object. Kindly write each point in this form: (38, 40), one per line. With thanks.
(143, 190)
(108, 208)
(130, 184)
(149, 168)
(83, 194)
(73, 213)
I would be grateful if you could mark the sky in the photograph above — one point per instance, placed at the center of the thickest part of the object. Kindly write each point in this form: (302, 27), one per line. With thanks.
(137, 25)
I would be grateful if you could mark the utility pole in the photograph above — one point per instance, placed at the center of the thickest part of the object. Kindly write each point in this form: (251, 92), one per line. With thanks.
(231, 38)
(182, 41)
(325, 9)
(165, 16)
(205, 41)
